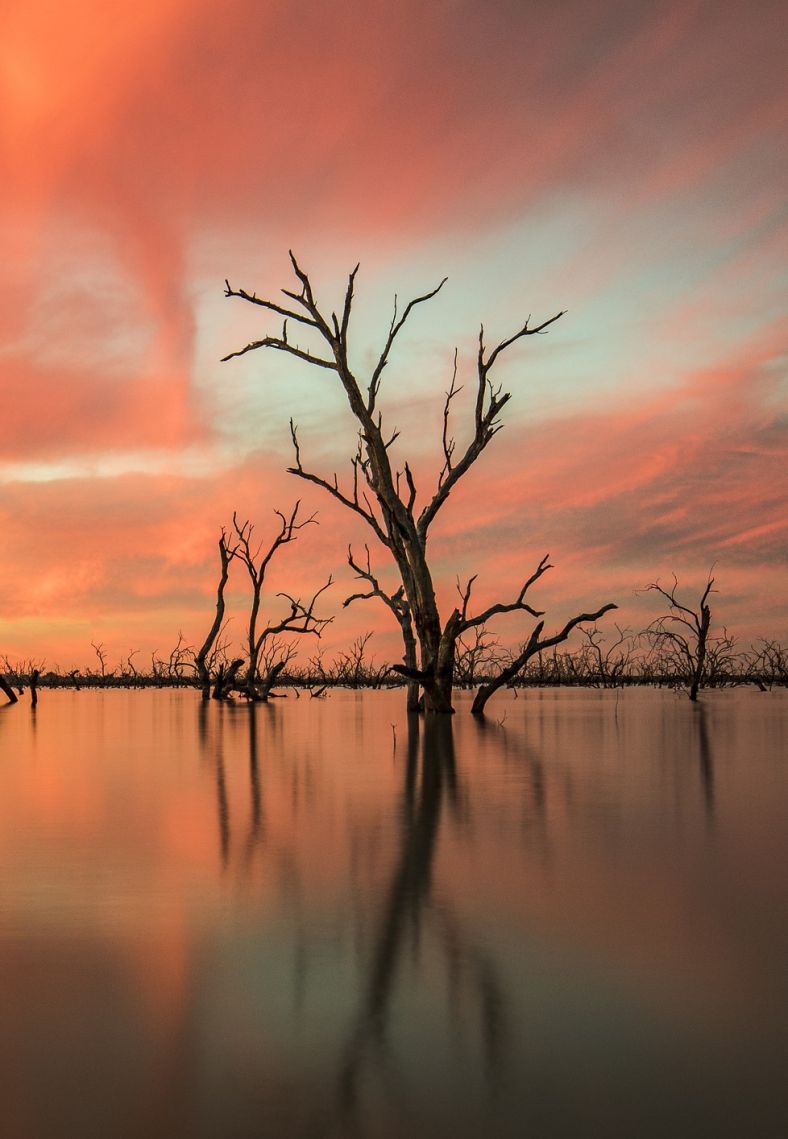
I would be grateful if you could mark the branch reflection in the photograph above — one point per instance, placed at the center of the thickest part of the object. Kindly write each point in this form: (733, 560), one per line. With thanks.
(409, 912)
(706, 760)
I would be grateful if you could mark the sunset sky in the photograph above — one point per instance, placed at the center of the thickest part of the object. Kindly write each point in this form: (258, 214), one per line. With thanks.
(623, 161)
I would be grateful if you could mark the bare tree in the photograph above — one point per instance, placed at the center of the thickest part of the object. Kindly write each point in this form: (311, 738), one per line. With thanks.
(610, 661)
(684, 632)
(300, 620)
(203, 654)
(478, 654)
(383, 496)
(766, 664)
(101, 653)
(355, 669)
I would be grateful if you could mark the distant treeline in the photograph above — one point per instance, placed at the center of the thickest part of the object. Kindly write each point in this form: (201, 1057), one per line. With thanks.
(598, 660)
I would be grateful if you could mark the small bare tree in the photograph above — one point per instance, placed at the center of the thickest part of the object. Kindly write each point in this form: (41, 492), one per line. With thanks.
(684, 632)
(477, 656)
(202, 658)
(101, 653)
(766, 664)
(300, 620)
(383, 495)
(610, 661)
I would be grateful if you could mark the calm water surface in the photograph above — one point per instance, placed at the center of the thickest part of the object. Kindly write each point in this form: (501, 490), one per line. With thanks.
(312, 919)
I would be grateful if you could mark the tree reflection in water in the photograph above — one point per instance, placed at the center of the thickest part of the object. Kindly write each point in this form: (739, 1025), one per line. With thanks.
(420, 977)
(706, 759)
(409, 911)
(211, 737)
(256, 820)
(222, 804)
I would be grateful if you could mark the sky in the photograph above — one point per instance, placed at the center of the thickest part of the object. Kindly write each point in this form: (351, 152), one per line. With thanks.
(624, 162)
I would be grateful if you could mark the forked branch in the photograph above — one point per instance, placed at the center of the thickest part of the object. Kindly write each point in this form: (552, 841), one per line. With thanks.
(519, 602)
(490, 401)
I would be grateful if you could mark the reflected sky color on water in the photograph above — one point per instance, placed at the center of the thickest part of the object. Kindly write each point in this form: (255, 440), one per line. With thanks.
(317, 919)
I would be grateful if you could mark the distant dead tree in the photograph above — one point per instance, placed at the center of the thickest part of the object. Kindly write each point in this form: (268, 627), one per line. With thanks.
(476, 657)
(684, 632)
(355, 669)
(766, 664)
(383, 495)
(300, 620)
(130, 666)
(101, 653)
(610, 661)
(181, 657)
(202, 658)
(169, 669)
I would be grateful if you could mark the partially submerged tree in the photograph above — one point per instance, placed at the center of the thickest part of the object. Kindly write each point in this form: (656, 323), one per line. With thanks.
(202, 658)
(684, 633)
(7, 690)
(101, 653)
(301, 618)
(385, 497)
(535, 644)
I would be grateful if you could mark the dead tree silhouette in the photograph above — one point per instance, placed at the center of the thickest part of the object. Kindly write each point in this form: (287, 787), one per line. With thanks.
(684, 632)
(7, 690)
(299, 621)
(430, 784)
(203, 655)
(379, 493)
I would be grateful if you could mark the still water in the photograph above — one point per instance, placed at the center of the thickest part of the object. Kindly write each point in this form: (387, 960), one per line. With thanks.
(312, 919)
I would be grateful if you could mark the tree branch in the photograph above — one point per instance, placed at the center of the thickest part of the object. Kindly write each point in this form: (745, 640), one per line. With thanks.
(396, 325)
(532, 646)
(490, 401)
(353, 503)
(494, 610)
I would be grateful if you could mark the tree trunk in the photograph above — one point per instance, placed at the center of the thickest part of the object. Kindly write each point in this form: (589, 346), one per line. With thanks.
(438, 667)
(413, 699)
(488, 690)
(226, 679)
(700, 658)
(8, 691)
(269, 681)
(200, 659)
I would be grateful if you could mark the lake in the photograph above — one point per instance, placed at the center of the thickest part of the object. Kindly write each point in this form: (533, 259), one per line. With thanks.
(314, 919)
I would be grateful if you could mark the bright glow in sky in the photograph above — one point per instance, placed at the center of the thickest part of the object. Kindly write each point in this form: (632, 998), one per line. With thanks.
(623, 161)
